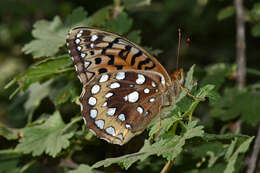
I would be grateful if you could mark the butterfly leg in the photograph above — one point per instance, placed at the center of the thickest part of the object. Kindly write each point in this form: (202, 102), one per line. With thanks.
(189, 94)
(159, 127)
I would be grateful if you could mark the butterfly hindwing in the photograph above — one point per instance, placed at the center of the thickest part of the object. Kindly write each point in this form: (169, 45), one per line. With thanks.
(118, 105)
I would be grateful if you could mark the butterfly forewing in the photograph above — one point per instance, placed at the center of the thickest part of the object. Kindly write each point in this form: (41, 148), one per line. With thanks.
(95, 52)
(118, 105)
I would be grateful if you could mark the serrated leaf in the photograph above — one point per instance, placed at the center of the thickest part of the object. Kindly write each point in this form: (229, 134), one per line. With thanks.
(168, 147)
(240, 150)
(49, 138)
(166, 124)
(8, 133)
(82, 169)
(100, 17)
(49, 36)
(236, 103)
(42, 70)
(226, 12)
(121, 24)
(77, 18)
(230, 149)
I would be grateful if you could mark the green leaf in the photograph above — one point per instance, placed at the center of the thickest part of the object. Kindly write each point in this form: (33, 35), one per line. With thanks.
(100, 17)
(8, 133)
(168, 147)
(134, 36)
(226, 12)
(230, 149)
(240, 150)
(37, 92)
(77, 18)
(152, 51)
(236, 103)
(50, 36)
(166, 124)
(9, 163)
(256, 10)
(42, 70)
(133, 4)
(216, 74)
(50, 137)
(82, 169)
(121, 24)
(256, 30)
(63, 92)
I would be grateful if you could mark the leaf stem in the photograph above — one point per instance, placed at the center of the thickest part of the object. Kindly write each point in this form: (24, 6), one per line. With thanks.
(75, 120)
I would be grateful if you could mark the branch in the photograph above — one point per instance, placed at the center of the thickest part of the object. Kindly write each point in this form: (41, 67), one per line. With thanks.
(240, 44)
(252, 162)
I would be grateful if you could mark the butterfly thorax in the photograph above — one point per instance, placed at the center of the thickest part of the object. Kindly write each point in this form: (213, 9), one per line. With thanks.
(173, 90)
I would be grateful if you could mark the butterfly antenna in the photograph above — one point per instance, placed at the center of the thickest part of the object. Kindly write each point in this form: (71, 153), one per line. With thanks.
(179, 48)
(187, 47)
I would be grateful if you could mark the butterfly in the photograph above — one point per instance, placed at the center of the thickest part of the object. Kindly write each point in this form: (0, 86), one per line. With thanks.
(124, 87)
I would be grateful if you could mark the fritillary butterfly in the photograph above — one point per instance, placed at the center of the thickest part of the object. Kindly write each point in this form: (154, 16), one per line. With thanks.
(124, 87)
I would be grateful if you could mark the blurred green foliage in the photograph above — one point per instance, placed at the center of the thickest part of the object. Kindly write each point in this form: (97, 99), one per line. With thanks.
(40, 123)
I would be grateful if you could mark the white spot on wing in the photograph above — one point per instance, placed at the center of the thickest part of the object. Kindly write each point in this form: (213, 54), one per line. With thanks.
(94, 37)
(120, 75)
(109, 95)
(111, 111)
(95, 89)
(153, 84)
(77, 41)
(114, 85)
(121, 117)
(151, 100)
(128, 126)
(133, 97)
(92, 45)
(82, 55)
(79, 48)
(92, 101)
(140, 110)
(146, 90)
(100, 124)
(111, 131)
(105, 104)
(141, 79)
(162, 80)
(79, 35)
(86, 64)
(120, 136)
(104, 78)
(93, 113)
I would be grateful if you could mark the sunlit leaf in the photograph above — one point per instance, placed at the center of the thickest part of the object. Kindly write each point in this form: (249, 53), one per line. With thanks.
(50, 137)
